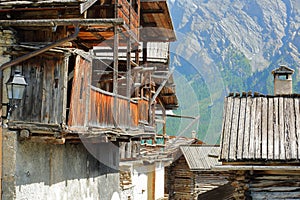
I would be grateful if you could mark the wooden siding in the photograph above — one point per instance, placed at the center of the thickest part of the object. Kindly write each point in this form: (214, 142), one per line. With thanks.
(270, 185)
(129, 15)
(93, 107)
(143, 109)
(80, 93)
(44, 96)
(261, 128)
(266, 184)
(186, 184)
(102, 107)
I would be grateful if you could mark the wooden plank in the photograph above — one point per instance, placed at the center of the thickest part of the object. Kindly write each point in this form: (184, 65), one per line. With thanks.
(276, 138)
(247, 127)
(1, 160)
(292, 124)
(257, 129)
(287, 127)
(241, 128)
(115, 66)
(252, 129)
(270, 128)
(227, 131)
(281, 129)
(234, 128)
(223, 127)
(297, 122)
(86, 5)
(264, 128)
(64, 89)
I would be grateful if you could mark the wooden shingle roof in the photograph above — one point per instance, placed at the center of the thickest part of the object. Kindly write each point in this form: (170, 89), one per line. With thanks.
(201, 157)
(261, 128)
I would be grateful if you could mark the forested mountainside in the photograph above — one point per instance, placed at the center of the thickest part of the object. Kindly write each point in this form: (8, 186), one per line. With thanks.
(232, 46)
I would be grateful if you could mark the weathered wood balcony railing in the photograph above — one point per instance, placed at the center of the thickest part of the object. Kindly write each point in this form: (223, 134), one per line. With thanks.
(101, 113)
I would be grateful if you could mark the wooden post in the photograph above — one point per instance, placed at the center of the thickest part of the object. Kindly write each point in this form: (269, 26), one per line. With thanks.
(115, 59)
(150, 104)
(163, 117)
(65, 89)
(144, 52)
(1, 163)
(128, 78)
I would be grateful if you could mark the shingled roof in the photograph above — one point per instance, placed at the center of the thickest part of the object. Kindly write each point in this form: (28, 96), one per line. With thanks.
(261, 128)
(201, 157)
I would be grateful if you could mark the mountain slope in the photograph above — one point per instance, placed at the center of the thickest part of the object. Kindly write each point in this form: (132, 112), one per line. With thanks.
(234, 45)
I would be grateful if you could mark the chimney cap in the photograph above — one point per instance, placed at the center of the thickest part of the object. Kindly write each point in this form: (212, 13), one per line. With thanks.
(283, 69)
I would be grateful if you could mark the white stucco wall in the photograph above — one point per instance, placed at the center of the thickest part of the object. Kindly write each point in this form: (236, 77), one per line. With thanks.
(140, 181)
(159, 180)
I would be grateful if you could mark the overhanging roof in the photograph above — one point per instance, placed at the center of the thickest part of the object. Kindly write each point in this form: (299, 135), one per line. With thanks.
(156, 21)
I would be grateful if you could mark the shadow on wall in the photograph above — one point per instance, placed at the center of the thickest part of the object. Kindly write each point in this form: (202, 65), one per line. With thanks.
(51, 164)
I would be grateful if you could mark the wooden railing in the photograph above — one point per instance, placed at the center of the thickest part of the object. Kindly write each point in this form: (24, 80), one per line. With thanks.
(102, 113)
(129, 15)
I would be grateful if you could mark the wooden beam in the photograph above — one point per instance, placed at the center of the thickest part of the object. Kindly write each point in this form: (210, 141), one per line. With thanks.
(161, 86)
(115, 65)
(47, 140)
(152, 11)
(128, 79)
(63, 22)
(152, 1)
(86, 5)
(256, 167)
(41, 50)
(1, 161)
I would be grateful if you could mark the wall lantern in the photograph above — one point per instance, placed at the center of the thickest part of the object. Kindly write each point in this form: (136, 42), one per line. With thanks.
(15, 85)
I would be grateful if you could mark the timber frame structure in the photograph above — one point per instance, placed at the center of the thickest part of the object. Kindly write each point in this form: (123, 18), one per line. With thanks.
(90, 70)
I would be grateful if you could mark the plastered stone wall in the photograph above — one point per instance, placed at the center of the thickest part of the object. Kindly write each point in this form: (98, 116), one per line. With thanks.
(34, 170)
(283, 87)
(7, 39)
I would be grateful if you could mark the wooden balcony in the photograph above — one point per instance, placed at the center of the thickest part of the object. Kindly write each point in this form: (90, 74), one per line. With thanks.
(130, 16)
(107, 110)
(104, 112)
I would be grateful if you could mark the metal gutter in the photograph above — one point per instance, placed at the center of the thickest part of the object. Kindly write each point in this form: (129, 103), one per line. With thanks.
(39, 51)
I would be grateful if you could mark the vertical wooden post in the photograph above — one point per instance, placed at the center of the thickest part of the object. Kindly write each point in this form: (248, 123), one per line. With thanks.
(128, 78)
(144, 52)
(151, 111)
(65, 89)
(115, 59)
(1, 163)
(165, 121)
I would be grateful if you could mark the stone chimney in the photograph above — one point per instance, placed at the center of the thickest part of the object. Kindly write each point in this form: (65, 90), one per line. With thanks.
(283, 80)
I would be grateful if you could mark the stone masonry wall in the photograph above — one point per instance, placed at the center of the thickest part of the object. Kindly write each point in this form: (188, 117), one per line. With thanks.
(7, 39)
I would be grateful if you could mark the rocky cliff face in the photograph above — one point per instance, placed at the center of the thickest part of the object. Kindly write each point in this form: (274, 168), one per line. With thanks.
(262, 33)
(232, 46)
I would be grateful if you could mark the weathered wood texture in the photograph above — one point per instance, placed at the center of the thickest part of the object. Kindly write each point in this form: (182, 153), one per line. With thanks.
(80, 93)
(266, 184)
(93, 107)
(186, 184)
(143, 110)
(280, 185)
(44, 96)
(260, 129)
(101, 111)
(129, 15)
